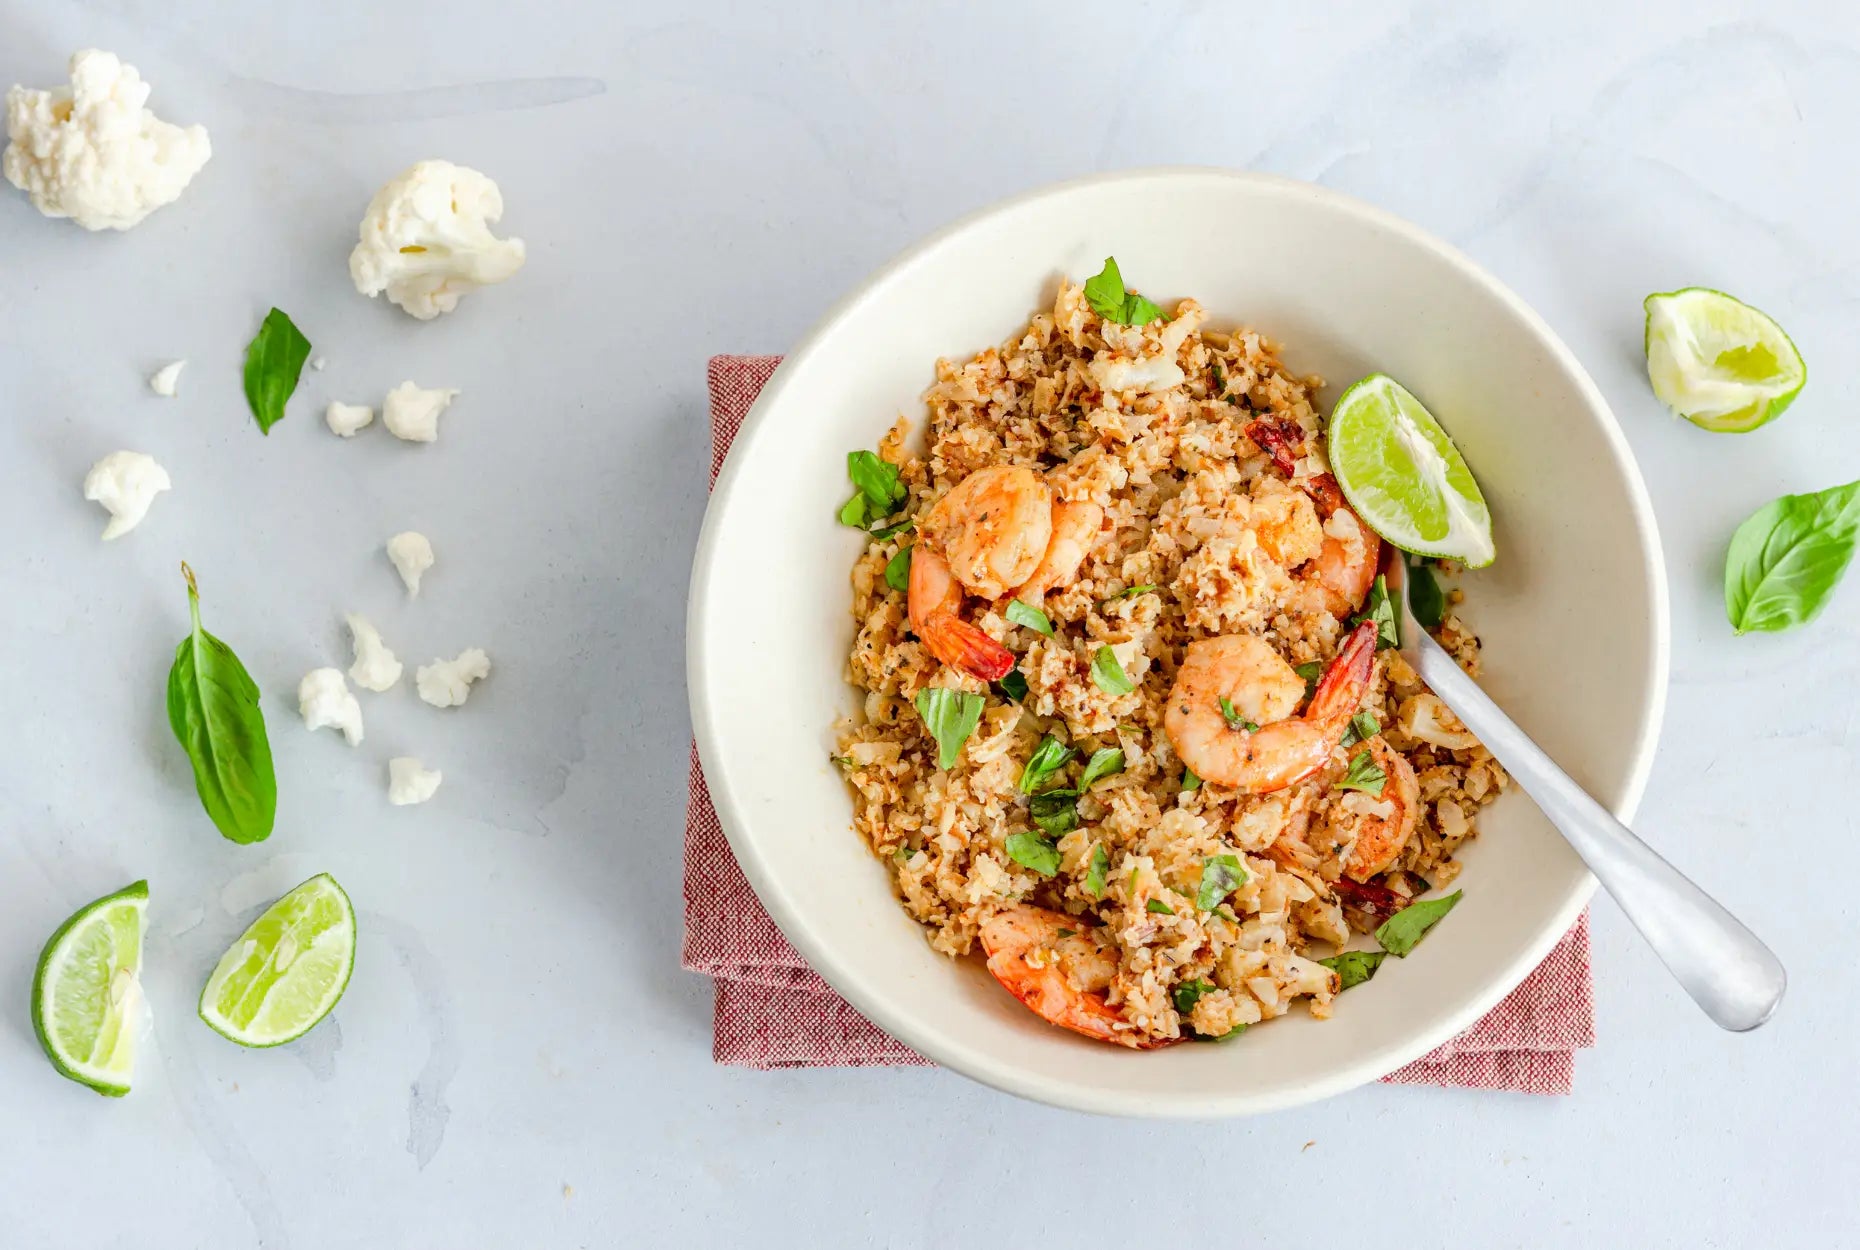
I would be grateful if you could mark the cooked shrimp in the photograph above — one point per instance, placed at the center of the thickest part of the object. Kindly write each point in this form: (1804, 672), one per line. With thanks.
(1263, 689)
(1061, 978)
(1383, 831)
(993, 527)
(1346, 565)
(933, 601)
(1075, 529)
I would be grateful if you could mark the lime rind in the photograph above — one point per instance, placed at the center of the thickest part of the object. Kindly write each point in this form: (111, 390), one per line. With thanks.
(1404, 477)
(80, 997)
(1719, 363)
(287, 971)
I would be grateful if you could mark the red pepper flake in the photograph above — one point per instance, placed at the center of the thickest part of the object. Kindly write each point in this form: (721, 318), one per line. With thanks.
(1282, 440)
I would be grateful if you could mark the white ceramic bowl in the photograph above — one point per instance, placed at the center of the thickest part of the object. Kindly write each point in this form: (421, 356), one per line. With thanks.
(1573, 614)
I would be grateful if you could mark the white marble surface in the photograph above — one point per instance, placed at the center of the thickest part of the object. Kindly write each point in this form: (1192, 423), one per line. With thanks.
(519, 1061)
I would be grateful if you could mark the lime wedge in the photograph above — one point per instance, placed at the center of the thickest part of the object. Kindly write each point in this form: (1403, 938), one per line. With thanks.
(287, 971)
(1718, 362)
(1403, 475)
(86, 1001)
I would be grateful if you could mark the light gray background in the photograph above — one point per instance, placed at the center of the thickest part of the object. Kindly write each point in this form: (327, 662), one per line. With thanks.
(696, 180)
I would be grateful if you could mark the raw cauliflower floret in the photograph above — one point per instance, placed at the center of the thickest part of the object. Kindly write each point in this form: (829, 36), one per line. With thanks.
(412, 555)
(411, 412)
(375, 666)
(426, 239)
(125, 483)
(324, 701)
(92, 152)
(410, 781)
(447, 683)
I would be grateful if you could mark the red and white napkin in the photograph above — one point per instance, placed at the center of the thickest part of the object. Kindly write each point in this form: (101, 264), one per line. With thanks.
(773, 1011)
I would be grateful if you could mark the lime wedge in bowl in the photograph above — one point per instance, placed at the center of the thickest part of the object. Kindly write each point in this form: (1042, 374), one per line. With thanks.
(86, 999)
(1404, 477)
(1718, 362)
(287, 971)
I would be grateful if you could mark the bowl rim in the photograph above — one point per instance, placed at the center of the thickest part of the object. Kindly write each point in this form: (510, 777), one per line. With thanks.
(951, 1052)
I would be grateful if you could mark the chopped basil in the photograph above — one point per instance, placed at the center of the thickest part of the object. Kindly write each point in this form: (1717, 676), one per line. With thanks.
(1361, 728)
(1048, 758)
(1401, 932)
(1221, 875)
(903, 854)
(1364, 774)
(1095, 872)
(1190, 782)
(1380, 609)
(1228, 1036)
(950, 716)
(1188, 993)
(1234, 719)
(274, 361)
(844, 761)
(1063, 934)
(892, 531)
(1160, 907)
(1128, 592)
(1109, 674)
(898, 570)
(1056, 811)
(1105, 762)
(881, 492)
(1426, 599)
(1030, 850)
(1013, 686)
(1354, 967)
(1220, 380)
(852, 512)
(1311, 672)
(1108, 298)
(1019, 613)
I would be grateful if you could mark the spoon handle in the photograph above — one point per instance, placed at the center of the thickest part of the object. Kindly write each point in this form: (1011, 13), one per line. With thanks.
(1719, 962)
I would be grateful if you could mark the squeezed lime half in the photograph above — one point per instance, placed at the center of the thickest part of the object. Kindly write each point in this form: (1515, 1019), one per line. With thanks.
(1719, 363)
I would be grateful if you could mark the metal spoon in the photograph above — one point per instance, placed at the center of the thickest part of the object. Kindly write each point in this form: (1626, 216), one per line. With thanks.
(1728, 972)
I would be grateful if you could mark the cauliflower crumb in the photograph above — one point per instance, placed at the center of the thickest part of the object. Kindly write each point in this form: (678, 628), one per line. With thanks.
(411, 412)
(324, 701)
(125, 483)
(412, 555)
(426, 239)
(165, 379)
(346, 420)
(375, 667)
(447, 683)
(410, 781)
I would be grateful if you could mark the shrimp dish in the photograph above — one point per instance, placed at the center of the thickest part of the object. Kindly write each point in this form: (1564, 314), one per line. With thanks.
(1133, 730)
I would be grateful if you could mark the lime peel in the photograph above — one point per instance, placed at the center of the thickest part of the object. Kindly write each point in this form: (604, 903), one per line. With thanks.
(86, 998)
(287, 971)
(1719, 363)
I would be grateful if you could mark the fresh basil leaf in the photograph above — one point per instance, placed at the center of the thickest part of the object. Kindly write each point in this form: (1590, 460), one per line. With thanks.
(1158, 906)
(213, 709)
(1108, 298)
(1234, 719)
(1401, 932)
(1381, 609)
(1364, 774)
(1109, 674)
(1013, 686)
(1030, 850)
(1190, 782)
(892, 531)
(1426, 599)
(950, 716)
(1128, 592)
(1221, 875)
(1362, 727)
(898, 570)
(1104, 762)
(1188, 993)
(274, 360)
(878, 480)
(1354, 967)
(1096, 871)
(1019, 613)
(1048, 758)
(1312, 672)
(1787, 557)
(1056, 811)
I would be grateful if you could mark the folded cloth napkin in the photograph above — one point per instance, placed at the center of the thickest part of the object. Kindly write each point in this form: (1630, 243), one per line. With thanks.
(773, 1011)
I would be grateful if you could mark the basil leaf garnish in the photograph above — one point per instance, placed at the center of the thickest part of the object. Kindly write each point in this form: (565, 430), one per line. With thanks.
(898, 570)
(1048, 758)
(1096, 871)
(892, 531)
(1013, 686)
(1108, 298)
(1190, 782)
(1401, 932)
(213, 709)
(1160, 907)
(1019, 613)
(274, 360)
(1221, 875)
(1056, 811)
(1362, 727)
(1105, 762)
(1787, 557)
(1030, 850)
(1311, 671)
(1234, 719)
(950, 716)
(852, 512)
(1380, 609)
(1426, 599)
(1354, 967)
(1128, 592)
(1109, 674)
(1188, 993)
(1364, 774)
(878, 480)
